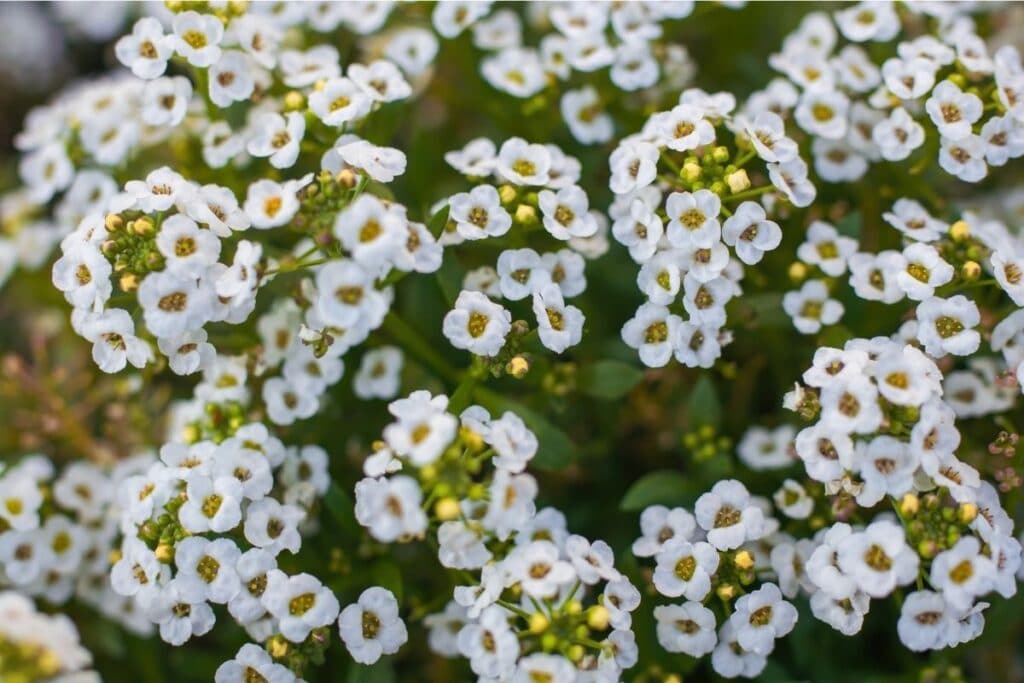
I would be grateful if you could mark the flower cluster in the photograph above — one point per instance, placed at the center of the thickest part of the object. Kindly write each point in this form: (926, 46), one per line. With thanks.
(718, 551)
(317, 224)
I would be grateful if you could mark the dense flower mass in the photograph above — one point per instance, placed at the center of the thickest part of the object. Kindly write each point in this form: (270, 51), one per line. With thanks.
(370, 387)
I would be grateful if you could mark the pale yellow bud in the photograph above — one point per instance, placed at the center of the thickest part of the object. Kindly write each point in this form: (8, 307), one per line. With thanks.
(738, 181)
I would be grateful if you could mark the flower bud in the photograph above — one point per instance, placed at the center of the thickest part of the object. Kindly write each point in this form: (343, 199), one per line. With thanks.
(909, 505)
(720, 154)
(797, 272)
(575, 653)
(960, 231)
(507, 194)
(129, 282)
(526, 214)
(165, 553)
(446, 509)
(518, 366)
(277, 646)
(597, 617)
(142, 227)
(691, 171)
(738, 181)
(294, 101)
(967, 512)
(970, 271)
(743, 559)
(114, 222)
(538, 623)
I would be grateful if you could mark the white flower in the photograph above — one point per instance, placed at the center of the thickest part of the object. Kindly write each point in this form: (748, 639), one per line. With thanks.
(729, 516)
(585, 116)
(964, 158)
(197, 37)
(380, 80)
(811, 308)
(566, 213)
(823, 113)
(660, 524)
(114, 344)
(521, 163)
(685, 569)
(869, 20)
(413, 49)
(763, 449)
(652, 331)
(560, 325)
(693, 218)
(477, 324)
(301, 69)
(179, 619)
(300, 603)
(165, 101)
(461, 546)
(730, 659)
(640, 230)
(252, 568)
(137, 569)
(478, 158)
(252, 661)
(593, 562)
(339, 101)
(913, 220)
(515, 70)
(277, 137)
(909, 79)
(478, 214)
(792, 500)
(513, 442)
(1009, 272)
(898, 135)
(688, 628)
(944, 326)
(844, 614)
(371, 626)
(382, 164)
(173, 302)
(544, 667)
(273, 526)
(826, 248)
(490, 644)
(536, 567)
(212, 504)
(511, 503)
(634, 165)
(185, 247)
(1004, 139)
(379, 374)
(390, 508)
(926, 622)
(767, 133)
(953, 111)
(684, 128)
(146, 49)
(270, 204)
(925, 270)
(206, 570)
(886, 467)
(750, 233)
(877, 559)
(369, 231)
(962, 573)
(231, 79)
(760, 617)
(421, 433)
(790, 178)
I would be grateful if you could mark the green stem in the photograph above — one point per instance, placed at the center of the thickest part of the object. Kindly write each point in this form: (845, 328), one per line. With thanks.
(515, 610)
(748, 194)
(419, 348)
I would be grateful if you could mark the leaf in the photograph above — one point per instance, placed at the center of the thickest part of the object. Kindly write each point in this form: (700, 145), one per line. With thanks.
(704, 406)
(387, 574)
(665, 487)
(450, 277)
(609, 379)
(380, 672)
(438, 221)
(555, 450)
(341, 508)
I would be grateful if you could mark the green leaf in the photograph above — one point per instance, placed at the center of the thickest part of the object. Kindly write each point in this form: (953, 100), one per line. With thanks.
(438, 221)
(555, 450)
(387, 574)
(380, 672)
(609, 379)
(704, 406)
(665, 487)
(341, 509)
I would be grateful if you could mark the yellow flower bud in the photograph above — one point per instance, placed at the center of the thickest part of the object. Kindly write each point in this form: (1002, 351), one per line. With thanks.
(575, 653)
(960, 231)
(471, 440)
(743, 559)
(446, 509)
(738, 181)
(967, 513)
(538, 623)
(691, 171)
(518, 366)
(597, 617)
(114, 222)
(909, 505)
(347, 178)
(128, 282)
(574, 607)
(294, 101)
(507, 194)
(797, 272)
(165, 553)
(278, 647)
(970, 271)
(526, 214)
(726, 591)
